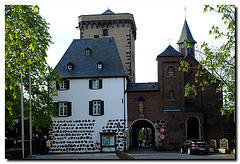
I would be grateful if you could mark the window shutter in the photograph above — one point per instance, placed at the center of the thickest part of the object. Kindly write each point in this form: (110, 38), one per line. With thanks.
(57, 107)
(90, 84)
(90, 108)
(69, 108)
(67, 84)
(100, 83)
(102, 107)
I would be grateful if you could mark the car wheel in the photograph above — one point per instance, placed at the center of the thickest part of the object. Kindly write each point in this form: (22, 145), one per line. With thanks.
(181, 150)
(206, 152)
(189, 151)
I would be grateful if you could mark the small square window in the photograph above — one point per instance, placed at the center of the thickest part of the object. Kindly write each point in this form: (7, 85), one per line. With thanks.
(99, 66)
(87, 51)
(105, 32)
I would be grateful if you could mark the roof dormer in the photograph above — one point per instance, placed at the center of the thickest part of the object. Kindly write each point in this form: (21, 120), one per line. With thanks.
(87, 51)
(69, 66)
(99, 65)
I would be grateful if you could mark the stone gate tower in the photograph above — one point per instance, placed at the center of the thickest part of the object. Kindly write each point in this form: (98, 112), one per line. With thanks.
(120, 26)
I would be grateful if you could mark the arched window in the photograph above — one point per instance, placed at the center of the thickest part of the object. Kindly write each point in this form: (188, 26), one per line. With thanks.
(141, 99)
(170, 72)
(171, 96)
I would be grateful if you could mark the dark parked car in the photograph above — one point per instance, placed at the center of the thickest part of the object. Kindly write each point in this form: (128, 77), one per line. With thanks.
(194, 145)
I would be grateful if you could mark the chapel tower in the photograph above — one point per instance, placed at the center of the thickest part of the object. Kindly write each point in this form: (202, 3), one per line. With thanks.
(120, 26)
(186, 35)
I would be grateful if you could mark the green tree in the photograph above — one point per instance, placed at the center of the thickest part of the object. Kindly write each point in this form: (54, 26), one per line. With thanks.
(219, 61)
(26, 42)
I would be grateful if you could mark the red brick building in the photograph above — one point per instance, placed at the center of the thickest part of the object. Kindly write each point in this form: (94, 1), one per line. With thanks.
(161, 111)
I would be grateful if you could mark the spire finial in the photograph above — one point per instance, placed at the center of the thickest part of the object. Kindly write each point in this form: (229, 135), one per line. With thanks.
(169, 40)
(185, 8)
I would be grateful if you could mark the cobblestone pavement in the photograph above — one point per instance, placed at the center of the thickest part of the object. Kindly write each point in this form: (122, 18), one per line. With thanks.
(87, 156)
(149, 154)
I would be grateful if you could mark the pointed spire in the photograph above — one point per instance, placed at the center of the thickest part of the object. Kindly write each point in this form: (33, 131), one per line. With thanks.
(186, 34)
(108, 11)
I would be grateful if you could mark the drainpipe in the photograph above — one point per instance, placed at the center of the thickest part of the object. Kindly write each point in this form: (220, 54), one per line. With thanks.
(124, 114)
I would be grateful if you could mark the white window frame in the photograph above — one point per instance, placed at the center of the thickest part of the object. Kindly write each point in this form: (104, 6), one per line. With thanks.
(95, 84)
(96, 108)
(62, 109)
(63, 86)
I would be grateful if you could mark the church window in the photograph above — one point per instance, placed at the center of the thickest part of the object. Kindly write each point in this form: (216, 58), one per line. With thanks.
(95, 84)
(64, 109)
(105, 32)
(96, 108)
(171, 96)
(141, 100)
(170, 72)
(190, 69)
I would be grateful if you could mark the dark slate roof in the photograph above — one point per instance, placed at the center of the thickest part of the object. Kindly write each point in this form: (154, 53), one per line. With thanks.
(192, 106)
(85, 66)
(108, 11)
(170, 51)
(186, 34)
(142, 87)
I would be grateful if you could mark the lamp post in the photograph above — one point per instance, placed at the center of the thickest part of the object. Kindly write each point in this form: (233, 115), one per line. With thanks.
(30, 112)
(22, 111)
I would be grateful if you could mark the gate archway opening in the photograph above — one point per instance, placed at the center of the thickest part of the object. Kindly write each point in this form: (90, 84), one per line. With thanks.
(142, 134)
(193, 128)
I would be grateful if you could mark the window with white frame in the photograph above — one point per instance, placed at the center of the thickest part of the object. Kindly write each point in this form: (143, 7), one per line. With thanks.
(63, 86)
(96, 107)
(95, 84)
(62, 109)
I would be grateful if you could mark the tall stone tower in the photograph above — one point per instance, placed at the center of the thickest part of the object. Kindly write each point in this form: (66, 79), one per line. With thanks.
(120, 26)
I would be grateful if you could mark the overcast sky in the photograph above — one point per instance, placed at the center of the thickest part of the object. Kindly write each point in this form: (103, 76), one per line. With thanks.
(158, 25)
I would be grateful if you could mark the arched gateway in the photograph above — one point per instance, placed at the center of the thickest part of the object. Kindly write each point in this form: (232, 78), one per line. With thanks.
(142, 134)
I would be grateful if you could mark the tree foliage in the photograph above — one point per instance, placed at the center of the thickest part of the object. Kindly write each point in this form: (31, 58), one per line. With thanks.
(219, 61)
(26, 42)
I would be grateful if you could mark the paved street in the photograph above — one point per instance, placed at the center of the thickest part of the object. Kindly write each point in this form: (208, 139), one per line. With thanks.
(137, 153)
(149, 153)
(87, 156)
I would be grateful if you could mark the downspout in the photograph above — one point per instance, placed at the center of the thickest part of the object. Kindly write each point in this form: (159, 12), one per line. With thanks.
(124, 114)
